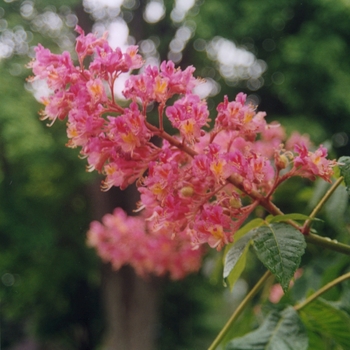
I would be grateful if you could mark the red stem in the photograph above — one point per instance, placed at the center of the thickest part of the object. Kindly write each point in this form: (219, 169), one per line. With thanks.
(160, 112)
(234, 179)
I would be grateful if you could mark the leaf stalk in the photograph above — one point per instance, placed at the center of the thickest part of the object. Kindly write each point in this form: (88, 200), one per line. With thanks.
(239, 310)
(322, 290)
(307, 225)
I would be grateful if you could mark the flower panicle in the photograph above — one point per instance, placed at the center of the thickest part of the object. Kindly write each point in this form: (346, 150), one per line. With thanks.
(126, 240)
(185, 182)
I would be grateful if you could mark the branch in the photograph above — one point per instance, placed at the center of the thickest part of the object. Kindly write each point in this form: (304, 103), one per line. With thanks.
(322, 290)
(328, 243)
(265, 202)
(234, 179)
(318, 207)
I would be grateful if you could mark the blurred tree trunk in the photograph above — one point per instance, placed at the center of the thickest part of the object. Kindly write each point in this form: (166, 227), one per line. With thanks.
(130, 303)
(131, 310)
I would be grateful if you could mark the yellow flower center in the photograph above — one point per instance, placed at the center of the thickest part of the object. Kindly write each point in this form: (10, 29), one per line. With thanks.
(217, 231)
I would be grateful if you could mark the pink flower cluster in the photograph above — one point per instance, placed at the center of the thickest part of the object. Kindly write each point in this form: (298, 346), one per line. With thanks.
(122, 240)
(201, 184)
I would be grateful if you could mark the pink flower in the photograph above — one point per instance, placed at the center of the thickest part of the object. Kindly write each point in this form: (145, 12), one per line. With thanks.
(297, 139)
(81, 130)
(155, 85)
(146, 86)
(134, 58)
(311, 164)
(86, 45)
(57, 106)
(189, 114)
(55, 69)
(96, 90)
(123, 169)
(261, 169)
(236, 115)
(128, 130)
(212, 226)
(180, 82)
(111, 63)
(237, 163)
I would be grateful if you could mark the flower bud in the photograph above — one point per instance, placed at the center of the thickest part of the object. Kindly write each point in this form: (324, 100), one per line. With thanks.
(247, 185)
(235, 202)
(187, 191)
(281, 161)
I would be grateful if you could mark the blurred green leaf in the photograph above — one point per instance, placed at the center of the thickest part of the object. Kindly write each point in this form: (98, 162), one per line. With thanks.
(335, 208)
(279, 331)
(328, 321)
(344, 166)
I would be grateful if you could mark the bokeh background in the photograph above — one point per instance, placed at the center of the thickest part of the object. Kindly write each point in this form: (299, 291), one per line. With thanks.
(291, 58)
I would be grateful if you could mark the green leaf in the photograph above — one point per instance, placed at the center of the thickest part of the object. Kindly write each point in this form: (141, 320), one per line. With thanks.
(328, 321)
(280, 246)
(235, 259)
(246, 228)
(345, 170)
(236, 253)
(280, 331)
(316, 342)
(239, 267)
(286, 217)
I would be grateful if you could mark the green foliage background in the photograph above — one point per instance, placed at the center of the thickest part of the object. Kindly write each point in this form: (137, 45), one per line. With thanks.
(49, 278)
